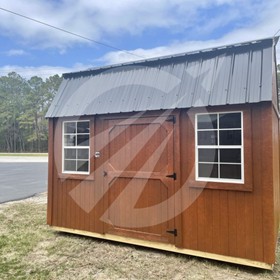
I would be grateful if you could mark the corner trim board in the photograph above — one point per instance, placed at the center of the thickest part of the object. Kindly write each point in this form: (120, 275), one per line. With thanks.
(167, 247)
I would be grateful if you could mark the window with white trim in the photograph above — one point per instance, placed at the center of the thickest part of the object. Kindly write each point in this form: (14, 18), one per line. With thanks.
(76, 135)
(219, 147)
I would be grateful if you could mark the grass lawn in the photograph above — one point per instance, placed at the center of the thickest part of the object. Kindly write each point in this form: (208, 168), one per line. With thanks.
(29, 249)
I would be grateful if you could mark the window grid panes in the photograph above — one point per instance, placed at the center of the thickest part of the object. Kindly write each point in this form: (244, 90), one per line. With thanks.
(219, 147)
(76, 135)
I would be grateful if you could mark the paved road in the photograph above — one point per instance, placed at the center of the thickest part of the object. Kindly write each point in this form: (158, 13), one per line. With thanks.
(22, 177)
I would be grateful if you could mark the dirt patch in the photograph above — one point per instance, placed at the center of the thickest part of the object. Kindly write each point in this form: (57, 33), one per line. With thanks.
(29, 249)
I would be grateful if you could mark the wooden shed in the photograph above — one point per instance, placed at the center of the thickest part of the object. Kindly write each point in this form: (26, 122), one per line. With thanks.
(178, 153)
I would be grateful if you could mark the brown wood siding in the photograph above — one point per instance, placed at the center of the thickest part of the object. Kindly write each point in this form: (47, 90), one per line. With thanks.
(267, 182)
(74, 195)
(233, 223)
(50, 171)
(239, 222)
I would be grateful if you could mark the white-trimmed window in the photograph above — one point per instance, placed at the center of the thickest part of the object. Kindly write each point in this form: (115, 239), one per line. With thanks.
(219, 147)
(76, 135)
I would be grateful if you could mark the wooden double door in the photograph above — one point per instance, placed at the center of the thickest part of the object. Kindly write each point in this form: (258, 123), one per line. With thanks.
(139, 177)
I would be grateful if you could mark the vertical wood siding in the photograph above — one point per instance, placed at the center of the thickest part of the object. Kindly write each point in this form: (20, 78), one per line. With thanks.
(238, 223)
(234, 223)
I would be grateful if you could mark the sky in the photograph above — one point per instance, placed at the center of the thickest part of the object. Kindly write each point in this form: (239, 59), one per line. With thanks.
(142, 28)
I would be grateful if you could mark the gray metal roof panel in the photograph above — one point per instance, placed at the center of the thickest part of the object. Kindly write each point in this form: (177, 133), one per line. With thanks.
(238, 80)
(219, 89)
(254, 77)
(234, 74)
(267, 69)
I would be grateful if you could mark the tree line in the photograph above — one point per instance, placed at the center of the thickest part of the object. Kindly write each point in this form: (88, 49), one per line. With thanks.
(23, 105)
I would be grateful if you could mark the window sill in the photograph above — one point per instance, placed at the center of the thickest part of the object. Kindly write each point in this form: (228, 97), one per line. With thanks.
(81, 177)
(221, 186)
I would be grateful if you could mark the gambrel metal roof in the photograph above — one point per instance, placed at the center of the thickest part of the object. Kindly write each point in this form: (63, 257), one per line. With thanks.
(234, 74)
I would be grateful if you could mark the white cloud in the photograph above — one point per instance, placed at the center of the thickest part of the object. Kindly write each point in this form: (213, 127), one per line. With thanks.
(266, 24)
(101, 19)
(43, 71)
(15, 52)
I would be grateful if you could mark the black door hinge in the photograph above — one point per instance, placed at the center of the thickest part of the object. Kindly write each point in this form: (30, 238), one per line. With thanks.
(171, 119)
(174, 232)
(174, 176)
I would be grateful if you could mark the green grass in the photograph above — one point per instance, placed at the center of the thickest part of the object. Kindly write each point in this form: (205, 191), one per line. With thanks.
(20, 232)
(29, 249)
